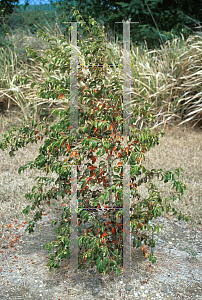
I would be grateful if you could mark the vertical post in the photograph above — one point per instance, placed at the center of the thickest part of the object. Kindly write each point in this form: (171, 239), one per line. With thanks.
(73, 233)
(73, 80)
(125, 135)
(126, 79)
(126, 223)
(74, 123)
(126, 168)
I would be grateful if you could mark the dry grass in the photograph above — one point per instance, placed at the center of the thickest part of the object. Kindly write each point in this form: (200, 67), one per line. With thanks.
(168, 77)
(180, 147)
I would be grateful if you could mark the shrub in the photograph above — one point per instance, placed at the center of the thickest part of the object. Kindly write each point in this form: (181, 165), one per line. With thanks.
(99, 133)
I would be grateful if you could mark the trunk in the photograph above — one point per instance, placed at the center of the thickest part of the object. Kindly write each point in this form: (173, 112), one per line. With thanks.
(110, 180)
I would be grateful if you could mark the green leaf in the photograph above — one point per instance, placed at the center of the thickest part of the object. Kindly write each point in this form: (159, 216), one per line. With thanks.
(106, 195)
(117, 272)
(153, 260)
(26, 210)
(20, 169)
(33, 53)
(90, 143)
(94, 145)
(98, 261)
(83, 142)
(62, 41)
(87, 52)
(143, 169)
(53, 222)
(96, 223)
(105, 251)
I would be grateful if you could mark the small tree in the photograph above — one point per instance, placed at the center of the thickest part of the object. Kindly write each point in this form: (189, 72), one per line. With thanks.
(99, 133)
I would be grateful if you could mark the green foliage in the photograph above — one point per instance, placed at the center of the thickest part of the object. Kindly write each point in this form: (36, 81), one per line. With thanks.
(159, 20)
(4, 29)
(8, 6)
(6, 9)
(100, 125)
